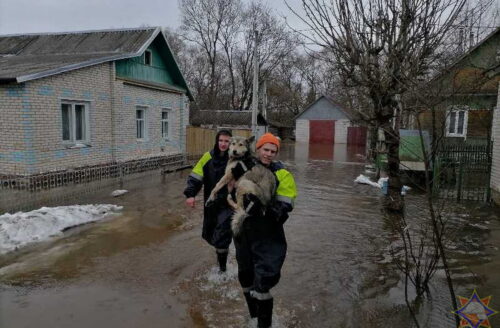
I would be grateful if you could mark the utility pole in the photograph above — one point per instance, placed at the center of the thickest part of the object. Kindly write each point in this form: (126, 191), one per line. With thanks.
(264, 102)
(255, 97)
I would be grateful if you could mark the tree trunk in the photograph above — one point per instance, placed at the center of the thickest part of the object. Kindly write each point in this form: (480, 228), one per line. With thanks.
(372, 147)
(394, 201)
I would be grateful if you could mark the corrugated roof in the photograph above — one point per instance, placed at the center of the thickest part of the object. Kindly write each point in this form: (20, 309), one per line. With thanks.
(32, 56)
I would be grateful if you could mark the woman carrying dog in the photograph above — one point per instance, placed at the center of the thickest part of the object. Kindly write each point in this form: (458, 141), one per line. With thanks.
(261, 244)
(216, 217)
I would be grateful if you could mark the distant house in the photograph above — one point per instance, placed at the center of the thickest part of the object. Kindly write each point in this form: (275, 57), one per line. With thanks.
(468, 89)
(325, 121)
(80, 99)
(228, 119)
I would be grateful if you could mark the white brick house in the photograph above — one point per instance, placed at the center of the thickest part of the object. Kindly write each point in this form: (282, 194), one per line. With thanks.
(70, 100)
(495, 167)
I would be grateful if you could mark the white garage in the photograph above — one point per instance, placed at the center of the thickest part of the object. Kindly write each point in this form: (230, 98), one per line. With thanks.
(326, 122)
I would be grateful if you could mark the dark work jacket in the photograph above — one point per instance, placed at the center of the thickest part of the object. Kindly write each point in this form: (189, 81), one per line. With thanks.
(281, 204)
(207, 172)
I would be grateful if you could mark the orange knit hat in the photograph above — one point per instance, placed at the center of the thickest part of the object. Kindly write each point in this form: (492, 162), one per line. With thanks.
(268, 138)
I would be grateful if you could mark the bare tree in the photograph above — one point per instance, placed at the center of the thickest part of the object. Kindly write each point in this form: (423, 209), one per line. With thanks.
(202, 21)
(383, 47)
(275, 44)
(229, 42)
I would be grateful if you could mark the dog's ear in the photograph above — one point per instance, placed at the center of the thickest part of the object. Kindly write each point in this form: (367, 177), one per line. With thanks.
(250, 140)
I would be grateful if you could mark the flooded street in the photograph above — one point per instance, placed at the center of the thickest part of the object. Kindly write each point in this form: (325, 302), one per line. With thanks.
(149, 267)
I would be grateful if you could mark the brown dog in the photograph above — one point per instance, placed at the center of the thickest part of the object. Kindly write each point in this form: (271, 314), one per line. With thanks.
(258, 181)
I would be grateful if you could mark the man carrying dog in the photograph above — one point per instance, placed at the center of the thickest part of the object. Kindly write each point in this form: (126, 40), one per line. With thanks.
(217, 216)
(261, 244)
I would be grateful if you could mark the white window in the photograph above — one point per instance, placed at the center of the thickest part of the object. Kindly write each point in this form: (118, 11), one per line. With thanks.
(165, 124)
(140, 119)
(75, 122)
(148, 58)
(456, 122)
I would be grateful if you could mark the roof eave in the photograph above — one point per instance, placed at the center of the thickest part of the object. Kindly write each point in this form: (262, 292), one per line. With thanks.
(72, 67)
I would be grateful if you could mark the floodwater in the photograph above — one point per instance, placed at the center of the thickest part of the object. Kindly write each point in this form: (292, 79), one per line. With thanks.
(150, 268)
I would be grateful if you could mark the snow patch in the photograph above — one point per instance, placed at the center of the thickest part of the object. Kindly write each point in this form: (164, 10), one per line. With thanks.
(22, 228)
(119, 192)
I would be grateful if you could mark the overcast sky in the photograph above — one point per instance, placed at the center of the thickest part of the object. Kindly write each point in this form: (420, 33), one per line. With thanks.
(34, 16)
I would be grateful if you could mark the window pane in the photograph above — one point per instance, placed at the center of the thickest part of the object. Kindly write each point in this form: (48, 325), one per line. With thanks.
(139, 113)
(65, 110)
(147, 58)
(461, 121)
(139, 129)
(164, 115)
(452, 122)
(164, 129)
(79, 122)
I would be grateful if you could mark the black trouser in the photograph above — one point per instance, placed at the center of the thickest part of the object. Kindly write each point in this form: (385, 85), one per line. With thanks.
(217, 227)
(260, 253)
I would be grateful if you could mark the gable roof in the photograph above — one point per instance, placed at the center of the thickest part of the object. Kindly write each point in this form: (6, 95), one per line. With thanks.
(493, 69)
(225, 118)
(32, 56)
(351, 114)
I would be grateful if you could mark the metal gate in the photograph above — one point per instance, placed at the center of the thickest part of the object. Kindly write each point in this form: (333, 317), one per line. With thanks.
(462, 172)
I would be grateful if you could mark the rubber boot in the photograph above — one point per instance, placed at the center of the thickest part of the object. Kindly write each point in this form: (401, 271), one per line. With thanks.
(252, 305)
(222, 259)
(265, 313)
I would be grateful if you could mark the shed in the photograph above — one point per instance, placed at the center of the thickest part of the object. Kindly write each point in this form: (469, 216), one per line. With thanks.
(325, 121)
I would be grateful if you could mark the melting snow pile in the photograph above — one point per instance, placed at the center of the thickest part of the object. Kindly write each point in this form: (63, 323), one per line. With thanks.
(22, 228)
(380, 184)
(366, 180)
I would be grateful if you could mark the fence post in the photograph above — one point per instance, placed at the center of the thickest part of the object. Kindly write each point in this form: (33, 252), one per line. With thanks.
(460, 177)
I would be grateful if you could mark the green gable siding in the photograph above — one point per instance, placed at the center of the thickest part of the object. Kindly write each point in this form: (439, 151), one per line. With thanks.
(158, 72)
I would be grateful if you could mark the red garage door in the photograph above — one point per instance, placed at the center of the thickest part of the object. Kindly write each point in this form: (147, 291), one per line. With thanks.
(321, 131)
(356, 135)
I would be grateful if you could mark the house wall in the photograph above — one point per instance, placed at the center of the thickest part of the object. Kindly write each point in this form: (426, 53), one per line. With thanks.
(16, 129)
(302, 130)
(31, 124)
(478, 123)
(495, 170)
(341, 131)
(128, 98)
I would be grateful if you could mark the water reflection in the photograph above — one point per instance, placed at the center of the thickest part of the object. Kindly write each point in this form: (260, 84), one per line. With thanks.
(304, 152)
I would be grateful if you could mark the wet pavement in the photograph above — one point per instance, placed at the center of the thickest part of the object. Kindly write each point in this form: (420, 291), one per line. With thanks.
(150, 268)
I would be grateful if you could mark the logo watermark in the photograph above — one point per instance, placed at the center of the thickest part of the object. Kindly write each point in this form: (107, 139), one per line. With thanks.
(475, 311)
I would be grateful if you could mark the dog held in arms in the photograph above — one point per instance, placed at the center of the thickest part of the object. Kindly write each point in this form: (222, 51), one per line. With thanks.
(257, 181)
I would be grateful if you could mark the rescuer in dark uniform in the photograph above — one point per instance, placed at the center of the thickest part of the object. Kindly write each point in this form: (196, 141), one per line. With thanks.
(261, 244)
(217, 216)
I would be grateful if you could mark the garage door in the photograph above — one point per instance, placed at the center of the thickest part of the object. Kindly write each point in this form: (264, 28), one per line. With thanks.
(321, 131)
(356, 135)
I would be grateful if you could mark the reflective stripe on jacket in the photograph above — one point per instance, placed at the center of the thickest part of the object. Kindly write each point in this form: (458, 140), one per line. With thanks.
(287, 190)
